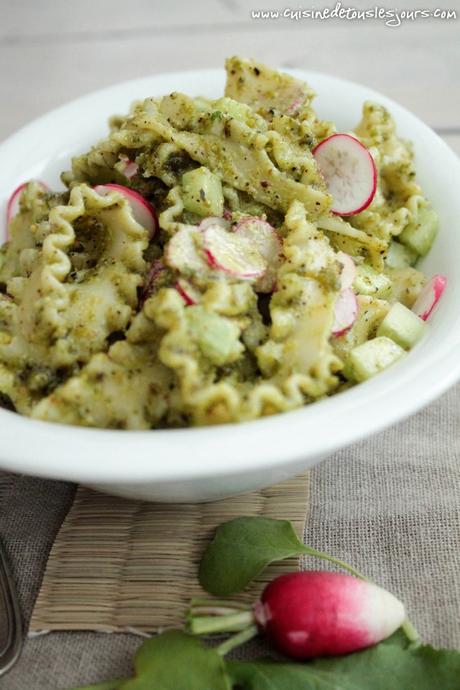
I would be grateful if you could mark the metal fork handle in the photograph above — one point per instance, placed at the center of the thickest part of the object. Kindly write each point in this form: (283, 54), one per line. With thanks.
(10, 618)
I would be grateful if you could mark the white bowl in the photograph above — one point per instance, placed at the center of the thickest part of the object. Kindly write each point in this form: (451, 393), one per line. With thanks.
(214, 462)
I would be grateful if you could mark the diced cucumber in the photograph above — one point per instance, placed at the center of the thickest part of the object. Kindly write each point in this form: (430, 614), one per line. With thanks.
(420, 236)
(216, 336)
(372, 357)
(402, 326)
(400, 256)
(202, 192)
(371, 283)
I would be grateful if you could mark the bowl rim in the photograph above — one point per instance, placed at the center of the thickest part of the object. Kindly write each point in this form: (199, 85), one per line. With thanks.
(241, 448)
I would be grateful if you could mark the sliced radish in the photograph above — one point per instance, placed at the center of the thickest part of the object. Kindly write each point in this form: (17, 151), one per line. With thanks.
(267, 241)
(232, 253)
(429, 296)
(214, 220)
(349, 171)
(128, 168)
(142, 210)
(186, 290)
(228, 214)
(348, 275)
(182, 252)
(295, 105)
(12, 206)
(151, 282)
(345, 312)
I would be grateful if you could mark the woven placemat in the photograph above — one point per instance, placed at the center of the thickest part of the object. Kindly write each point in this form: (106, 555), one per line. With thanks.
(121, 565)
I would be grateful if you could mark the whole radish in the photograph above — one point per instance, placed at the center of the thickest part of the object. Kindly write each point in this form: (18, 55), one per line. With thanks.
(317, 613)
(306, 614)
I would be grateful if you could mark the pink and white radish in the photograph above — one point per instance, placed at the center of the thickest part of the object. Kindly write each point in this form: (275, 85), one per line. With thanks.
(307, 614)
(349, 171)
(183, 251)
(12, 206)
(142, 210)
(127, 167)
(348, 274)
(234, 254)
(429, 296)
(318, 613)
(295, 105)
(268, 243)
(345, 312)
(188, 292)
(215, 220)
(152, 280)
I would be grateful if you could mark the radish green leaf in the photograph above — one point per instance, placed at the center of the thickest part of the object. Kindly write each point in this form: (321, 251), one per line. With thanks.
(176, 661)
(384, 667)
(243, 547)
(107, 685)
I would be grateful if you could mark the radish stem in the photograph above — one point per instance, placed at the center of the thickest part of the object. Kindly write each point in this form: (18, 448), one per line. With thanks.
(236, 622)
(213, 610)
(326, 557)
(238, 639)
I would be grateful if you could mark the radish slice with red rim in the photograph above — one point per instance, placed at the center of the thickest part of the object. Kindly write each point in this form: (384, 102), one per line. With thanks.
(182, 252)
(348, 275)
(349, 171)
(189, 294)
(214, 220)
(142, 210)
(151, 282)
(268, 243)
(429, 296)
(345, 312)
(127, 167)
(234, 254)
(12, 206)
(295, 105)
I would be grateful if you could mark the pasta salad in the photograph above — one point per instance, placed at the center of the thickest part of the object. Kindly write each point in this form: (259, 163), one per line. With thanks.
(215, 261)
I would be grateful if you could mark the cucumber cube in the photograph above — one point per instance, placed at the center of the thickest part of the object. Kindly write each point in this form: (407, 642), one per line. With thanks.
(402, 326)
(216, 336)
(400, 256)
(372, 357)
(369, 282)
(420, 236)
(202, 192)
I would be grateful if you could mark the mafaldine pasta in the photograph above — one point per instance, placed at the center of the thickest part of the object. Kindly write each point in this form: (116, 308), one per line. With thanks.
(215, 261)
